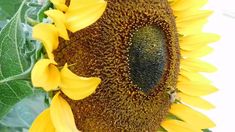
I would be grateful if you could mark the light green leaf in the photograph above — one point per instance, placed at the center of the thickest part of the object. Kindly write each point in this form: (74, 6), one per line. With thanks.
(24, 112)
(9, 129)
(2, 24)
(35, 12)
(16, 59)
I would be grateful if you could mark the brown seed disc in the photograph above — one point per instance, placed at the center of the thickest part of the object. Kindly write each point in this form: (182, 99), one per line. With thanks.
(134, 49)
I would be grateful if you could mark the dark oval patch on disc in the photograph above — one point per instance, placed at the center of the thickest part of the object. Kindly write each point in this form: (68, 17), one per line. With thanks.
(147, 57)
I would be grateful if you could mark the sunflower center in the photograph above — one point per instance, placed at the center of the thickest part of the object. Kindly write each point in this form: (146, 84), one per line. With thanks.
(130, 57)
(147, 57)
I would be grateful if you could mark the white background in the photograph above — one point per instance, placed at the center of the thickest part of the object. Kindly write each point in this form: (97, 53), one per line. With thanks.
(223, 22)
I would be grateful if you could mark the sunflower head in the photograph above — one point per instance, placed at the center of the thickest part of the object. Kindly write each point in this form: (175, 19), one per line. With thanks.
(135, 69)
(134, 49)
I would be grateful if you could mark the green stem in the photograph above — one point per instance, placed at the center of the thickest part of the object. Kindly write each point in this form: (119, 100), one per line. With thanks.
(31, 21)
(32, 4)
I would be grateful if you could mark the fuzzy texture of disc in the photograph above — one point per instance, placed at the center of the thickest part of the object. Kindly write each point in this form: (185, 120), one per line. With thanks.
(104, 50)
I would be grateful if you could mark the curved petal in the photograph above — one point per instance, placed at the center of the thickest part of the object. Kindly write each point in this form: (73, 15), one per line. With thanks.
(197, 52)
(194, 76)
(48, 35)
(192, 28)
(193, 24)
(178, 126)
(195, 101)
(76, 87)
(183, 14)
(187, 4)
(82, 13)
(193, 42)
(196, 65)
(46, 75)
(61, 115)
(59, 4)
(196, 89)
(59, 19)
(191, 116)
(43, 123)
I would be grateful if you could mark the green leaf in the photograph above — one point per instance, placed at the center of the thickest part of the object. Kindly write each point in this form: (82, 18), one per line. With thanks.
(35, 12)
(41, 15)
(2, 24)
(8, 8)
(9, 129)
(206, 130)
(24, 112)
(16, 60)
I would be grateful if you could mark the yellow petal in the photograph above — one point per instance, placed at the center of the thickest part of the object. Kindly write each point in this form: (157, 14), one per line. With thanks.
(187, 4)
(194, 77)
(61, 115)
(193, 23)
(196, 65)
(59, 19)
(74, 4)
(170, 1)
(194, 27)
(46, 75)
(59, 4)
(82, 13)
(178, 126)
(194, 16)
(48, 35)
(193, 42)
(196, 89)
(195, 101)
(190, 14)
(191, 116)
(76, 87)
(205, 50)
(43, 123)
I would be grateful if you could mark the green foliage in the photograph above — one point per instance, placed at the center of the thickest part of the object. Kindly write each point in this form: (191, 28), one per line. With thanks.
(206, 130)
(24, 112)
(9, 129)
(20, 103)
(8, 8)
(32, 10)
(2, 24)
(16, 58)
(36, 11)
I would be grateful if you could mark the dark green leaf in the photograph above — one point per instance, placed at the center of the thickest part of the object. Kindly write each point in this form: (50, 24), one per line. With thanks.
(8, 8)
(16, 59)
(45, 7)
(206, 130)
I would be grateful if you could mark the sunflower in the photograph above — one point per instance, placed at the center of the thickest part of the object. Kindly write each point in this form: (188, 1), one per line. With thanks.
(46, 74)
(146, 52)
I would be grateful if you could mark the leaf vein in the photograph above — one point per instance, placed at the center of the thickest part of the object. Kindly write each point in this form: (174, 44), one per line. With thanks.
(13, 91)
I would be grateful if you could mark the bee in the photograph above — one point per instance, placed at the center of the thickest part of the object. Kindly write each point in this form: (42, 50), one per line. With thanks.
(171, 91)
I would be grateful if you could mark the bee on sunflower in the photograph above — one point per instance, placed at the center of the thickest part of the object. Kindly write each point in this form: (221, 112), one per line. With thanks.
(128, 65)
